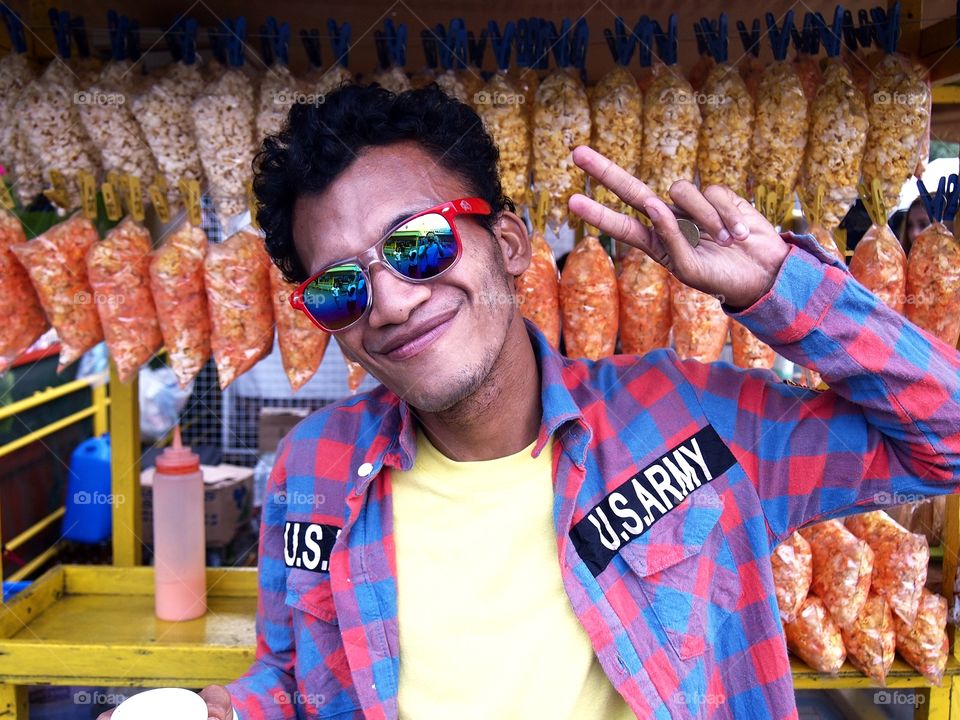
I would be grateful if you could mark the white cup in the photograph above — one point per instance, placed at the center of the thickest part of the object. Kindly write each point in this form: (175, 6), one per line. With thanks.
(163, 704)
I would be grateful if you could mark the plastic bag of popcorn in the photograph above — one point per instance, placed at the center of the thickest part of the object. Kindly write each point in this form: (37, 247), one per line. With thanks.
(842, 568)
(119, 272)
(237, 278)
(645, 313)
(278, 89)
(177, 285)
(900, 560)
(223, 120)
(700, 326)
(838, 133)
(589, 301)
(15, 73)
(24, 320)
(870, 639)
(47, 115)
(616, 117)
(302, 344)
(671, 129)
(780, 127)
(165, 114)
(56, 263)
(501, 106)
(748, 350)
(815, 638)
(561, 121)
(924, 644)
(898, 110)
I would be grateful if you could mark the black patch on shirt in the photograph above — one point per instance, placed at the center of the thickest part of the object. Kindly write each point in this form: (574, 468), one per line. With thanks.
(308, 546)
(634, 507)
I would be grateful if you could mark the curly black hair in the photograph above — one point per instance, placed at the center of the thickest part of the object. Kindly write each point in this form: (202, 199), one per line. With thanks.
(319, 141)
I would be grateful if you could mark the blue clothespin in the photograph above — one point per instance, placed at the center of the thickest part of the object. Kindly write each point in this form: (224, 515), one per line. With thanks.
(188, 41)
(952, 198)
(561, 47)
(78, 27)
(936, 204)
(667, 41)
(643, 32)
(266, 42)
(887, 27)
(545, 38)
(849, 31)
(340, 41)
(501, 43)
(864, 29)
(831, 35)
(14, 25)
(133, 41)
(457, 38)
(716, 36)
(578, 47)
(61, 31)
(236, 42)
(779, 36)
(476, 47)
(750, 39)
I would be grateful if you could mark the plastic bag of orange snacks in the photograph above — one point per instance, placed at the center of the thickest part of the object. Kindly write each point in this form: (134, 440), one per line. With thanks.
(589, 302)
(24, 320)
(792, 571)
(56, 263)
(118, 268)
(933, 283)
(900, 560)
(176, 279)
(538, 290)
(644, 303)
(699, 324)
(749, 351)
(237, 276)
(870, 639)
(302, 344)
(815, 638)
(842, 567)
(924, 644)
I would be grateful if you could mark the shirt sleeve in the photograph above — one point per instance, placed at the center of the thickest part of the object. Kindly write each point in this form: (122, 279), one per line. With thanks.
(267, 690)
(886, 432)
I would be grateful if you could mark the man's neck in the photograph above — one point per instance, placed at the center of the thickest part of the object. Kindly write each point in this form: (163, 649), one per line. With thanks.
(503, 416)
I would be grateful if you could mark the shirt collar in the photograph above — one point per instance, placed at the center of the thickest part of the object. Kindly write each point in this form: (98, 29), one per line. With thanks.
(561, 416)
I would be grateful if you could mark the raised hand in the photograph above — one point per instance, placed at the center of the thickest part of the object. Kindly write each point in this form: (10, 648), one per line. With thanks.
(739, 254)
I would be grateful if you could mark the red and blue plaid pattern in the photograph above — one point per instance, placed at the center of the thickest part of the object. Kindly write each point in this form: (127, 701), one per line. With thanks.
(682, 617)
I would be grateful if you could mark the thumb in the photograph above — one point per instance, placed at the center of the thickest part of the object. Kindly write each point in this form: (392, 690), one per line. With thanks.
(218, 702)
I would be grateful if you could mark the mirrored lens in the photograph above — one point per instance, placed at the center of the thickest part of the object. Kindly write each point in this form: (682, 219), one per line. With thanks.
(422, 248)
(338, 297)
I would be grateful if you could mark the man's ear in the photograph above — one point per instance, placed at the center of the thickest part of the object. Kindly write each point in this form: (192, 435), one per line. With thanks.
(514, 242)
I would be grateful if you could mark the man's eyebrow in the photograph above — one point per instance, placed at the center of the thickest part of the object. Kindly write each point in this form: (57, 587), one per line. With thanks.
(400, 217)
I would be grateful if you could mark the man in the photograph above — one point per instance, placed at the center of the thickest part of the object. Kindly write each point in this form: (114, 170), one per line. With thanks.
(500, 532)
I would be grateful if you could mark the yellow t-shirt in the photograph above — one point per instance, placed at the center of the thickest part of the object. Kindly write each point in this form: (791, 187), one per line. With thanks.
(486, 629)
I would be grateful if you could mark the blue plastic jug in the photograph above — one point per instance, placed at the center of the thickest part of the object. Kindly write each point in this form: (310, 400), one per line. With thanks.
(89, 507)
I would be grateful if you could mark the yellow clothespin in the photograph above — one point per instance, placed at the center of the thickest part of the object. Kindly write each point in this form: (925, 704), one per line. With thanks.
(134, 197)
(6, 199)
(111, 201)
(253, 204)
(88, 194)
(58, 193)
(190, 190)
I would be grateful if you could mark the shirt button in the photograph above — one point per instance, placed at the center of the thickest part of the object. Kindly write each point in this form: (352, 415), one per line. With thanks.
(365, 469)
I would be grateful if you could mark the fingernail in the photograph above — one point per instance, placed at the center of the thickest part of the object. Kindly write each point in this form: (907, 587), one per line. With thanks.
(724, 237)
(651, 212)
(740, 230)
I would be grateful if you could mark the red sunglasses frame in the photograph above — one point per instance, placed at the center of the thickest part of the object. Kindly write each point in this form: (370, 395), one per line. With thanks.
(374, 254)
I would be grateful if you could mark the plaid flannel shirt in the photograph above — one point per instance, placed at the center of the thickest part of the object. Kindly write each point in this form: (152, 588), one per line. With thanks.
(673, 481)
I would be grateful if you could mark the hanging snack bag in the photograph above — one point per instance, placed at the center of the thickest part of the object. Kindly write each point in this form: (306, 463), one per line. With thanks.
(302, 344)
(589, 302)
(538, 288)
(237, 278)
(700, 326)
(176, 281)
(24, 320)
(924, 644)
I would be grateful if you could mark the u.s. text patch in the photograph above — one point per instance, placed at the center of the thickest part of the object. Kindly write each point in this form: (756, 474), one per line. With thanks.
(308, 545)
(639, 503)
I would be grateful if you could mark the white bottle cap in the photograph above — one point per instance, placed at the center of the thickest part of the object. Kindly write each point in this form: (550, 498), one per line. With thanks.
(162, 704)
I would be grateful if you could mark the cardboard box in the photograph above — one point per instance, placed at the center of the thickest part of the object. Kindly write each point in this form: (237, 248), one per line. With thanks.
(275, 422)
(227, 499)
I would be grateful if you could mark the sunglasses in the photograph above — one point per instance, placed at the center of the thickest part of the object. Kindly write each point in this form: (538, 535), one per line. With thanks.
(419, 249)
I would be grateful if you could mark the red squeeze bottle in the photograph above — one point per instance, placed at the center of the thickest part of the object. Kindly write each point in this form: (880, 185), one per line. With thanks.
(179, 542)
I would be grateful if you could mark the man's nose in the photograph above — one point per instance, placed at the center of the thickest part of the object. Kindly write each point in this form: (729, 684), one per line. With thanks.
(393, 298)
